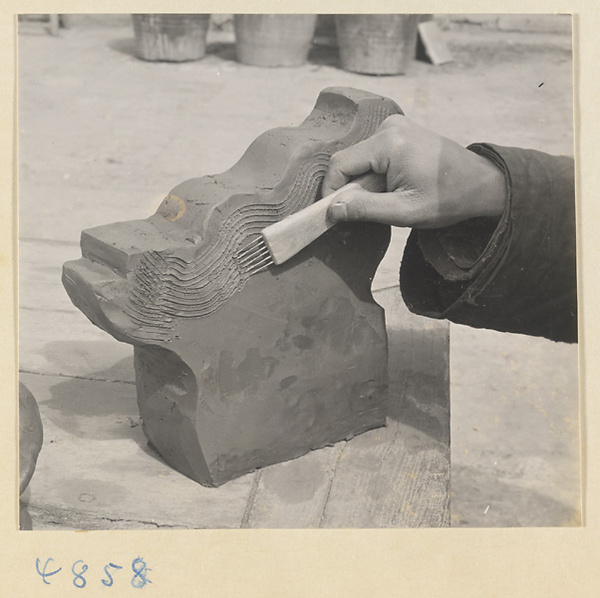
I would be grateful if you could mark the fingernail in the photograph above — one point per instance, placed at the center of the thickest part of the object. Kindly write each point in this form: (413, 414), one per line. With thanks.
(337, 211)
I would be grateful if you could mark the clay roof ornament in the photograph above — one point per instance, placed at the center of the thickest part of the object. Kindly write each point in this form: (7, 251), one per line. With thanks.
(233, 371)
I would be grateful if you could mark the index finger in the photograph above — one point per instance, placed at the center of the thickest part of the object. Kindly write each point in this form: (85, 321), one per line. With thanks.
(348, 163)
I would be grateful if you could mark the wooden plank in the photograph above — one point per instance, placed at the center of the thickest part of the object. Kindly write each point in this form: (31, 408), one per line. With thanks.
(434, 44)
(399, 476)
(95, 466)
(293, 494)
(396, 476)
(388, 273)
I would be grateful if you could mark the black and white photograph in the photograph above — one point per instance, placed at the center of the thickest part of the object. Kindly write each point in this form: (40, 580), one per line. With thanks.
(297, 271)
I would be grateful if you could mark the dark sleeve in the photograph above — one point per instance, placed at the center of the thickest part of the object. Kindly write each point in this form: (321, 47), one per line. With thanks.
(515, 275)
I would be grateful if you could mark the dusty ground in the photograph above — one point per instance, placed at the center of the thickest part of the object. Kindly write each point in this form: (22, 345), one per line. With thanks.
(103, 136)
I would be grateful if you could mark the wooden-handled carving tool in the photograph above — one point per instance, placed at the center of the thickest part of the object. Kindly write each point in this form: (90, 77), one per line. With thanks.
(279, 242)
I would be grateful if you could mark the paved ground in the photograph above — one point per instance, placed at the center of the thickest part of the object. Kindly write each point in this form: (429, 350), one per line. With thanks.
(103, 136)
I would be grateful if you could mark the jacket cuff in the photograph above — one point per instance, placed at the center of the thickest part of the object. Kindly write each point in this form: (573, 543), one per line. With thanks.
(447, 265)
(519, 276)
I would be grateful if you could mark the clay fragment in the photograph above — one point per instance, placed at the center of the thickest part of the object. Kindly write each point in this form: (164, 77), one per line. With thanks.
(236, 372)
(31, 436)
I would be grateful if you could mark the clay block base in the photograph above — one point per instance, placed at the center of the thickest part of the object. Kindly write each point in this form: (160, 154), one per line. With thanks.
(279, 372)
(236, 372)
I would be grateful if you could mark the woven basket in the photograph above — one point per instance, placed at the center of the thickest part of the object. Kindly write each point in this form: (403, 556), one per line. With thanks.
(377, 44)
(170, 37)
(274, 40)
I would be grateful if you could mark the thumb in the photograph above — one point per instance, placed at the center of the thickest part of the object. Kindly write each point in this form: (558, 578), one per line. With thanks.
(360, 205)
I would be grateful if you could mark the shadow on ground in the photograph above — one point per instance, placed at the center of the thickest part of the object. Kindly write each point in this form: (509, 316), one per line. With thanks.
(481, 499)
(320, 55)
(124, 45)
(101, 406)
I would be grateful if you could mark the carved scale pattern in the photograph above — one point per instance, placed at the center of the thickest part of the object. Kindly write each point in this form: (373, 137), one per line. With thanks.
(166, 287)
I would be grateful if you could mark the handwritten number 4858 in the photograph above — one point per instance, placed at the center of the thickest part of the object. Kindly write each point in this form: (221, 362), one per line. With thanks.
(79, 568)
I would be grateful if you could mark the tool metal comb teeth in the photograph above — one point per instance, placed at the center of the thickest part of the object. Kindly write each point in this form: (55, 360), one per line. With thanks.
(254, 257)
(279, 242)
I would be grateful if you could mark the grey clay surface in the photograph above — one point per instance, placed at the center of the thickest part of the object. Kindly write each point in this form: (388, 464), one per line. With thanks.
(235, 373)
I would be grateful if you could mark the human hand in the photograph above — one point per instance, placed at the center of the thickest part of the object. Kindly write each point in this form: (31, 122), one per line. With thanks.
(432, 182)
